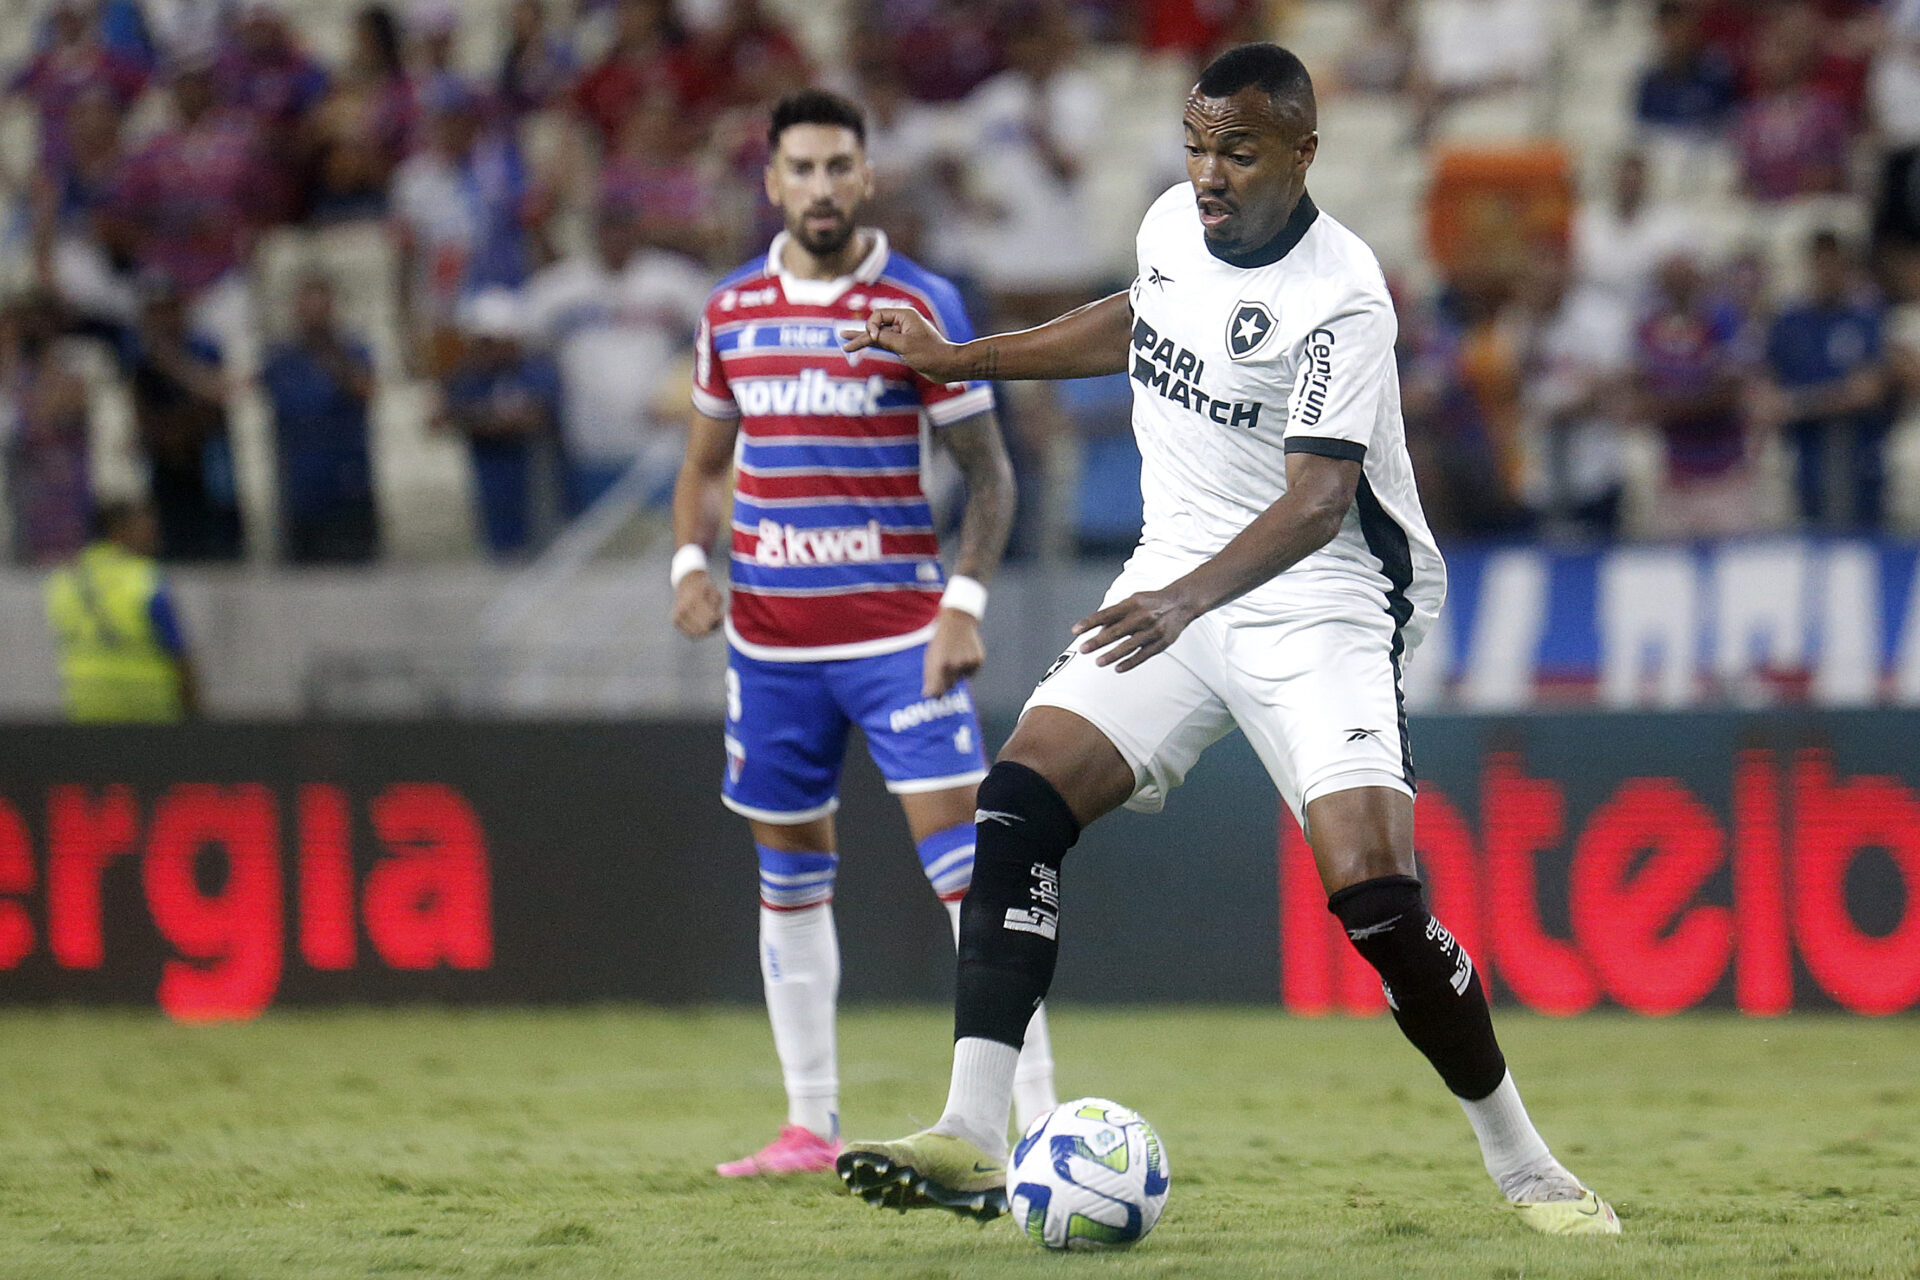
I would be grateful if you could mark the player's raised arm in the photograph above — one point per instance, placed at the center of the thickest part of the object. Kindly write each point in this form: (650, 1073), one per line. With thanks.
(697, 607)
(1086, 342)
(955, 651)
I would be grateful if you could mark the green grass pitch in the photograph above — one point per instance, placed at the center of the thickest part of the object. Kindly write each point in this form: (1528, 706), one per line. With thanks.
(581, 1143)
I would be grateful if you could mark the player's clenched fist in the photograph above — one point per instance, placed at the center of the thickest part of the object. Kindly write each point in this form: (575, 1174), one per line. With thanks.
(697, 608)
(912, 337)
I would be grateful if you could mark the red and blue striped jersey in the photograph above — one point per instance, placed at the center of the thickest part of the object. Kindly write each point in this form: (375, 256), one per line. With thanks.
(833, 549)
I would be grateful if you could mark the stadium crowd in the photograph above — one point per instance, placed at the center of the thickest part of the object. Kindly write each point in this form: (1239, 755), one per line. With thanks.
(548, 224)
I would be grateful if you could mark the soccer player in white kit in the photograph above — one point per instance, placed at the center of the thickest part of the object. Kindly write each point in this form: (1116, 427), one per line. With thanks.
(1284, 571)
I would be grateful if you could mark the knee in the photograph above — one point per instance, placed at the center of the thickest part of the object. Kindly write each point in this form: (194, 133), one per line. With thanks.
(1372, 908)
(1350, 867)
(1017, 795)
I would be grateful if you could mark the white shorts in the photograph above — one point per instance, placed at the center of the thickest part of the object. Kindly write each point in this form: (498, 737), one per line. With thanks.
(1316, 691)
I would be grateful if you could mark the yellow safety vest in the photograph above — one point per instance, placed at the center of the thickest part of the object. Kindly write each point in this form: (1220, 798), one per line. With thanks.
(112, 664)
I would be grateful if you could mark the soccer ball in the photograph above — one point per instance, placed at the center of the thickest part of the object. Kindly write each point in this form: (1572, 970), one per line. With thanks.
(1089, 1174)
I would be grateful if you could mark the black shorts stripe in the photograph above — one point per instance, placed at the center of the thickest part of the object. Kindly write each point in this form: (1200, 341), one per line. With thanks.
(1327, 447)
(1388, 542)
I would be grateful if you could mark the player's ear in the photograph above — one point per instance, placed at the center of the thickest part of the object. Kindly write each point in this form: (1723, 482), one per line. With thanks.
(772, 183)
(1308, 148)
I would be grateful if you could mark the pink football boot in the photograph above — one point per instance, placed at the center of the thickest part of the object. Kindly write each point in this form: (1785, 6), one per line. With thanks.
(797, 1150)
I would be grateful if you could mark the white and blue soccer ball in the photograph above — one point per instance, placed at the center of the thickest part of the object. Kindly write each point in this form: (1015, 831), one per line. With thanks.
(1089, 1174)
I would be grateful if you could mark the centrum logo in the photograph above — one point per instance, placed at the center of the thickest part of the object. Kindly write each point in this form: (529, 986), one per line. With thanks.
(812, 393)
(783, 546)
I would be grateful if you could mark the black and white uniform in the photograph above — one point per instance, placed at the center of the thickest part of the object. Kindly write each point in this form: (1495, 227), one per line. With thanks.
(1235, 365)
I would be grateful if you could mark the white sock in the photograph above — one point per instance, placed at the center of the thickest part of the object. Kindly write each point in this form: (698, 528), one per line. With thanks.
(1515, 1154)
(1033, 1093)
(981, 1094)
(1033, 1089)
(800, 969)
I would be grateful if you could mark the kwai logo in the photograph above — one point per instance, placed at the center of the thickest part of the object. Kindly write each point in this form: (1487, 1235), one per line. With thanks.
(783, 546)
(812, 393)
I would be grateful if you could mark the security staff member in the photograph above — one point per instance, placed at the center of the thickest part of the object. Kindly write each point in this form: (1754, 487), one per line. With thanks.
(123, 656)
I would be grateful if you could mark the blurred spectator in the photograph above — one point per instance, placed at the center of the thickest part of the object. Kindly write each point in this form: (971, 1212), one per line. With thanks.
(537, 66)
(1198, 29)
(45, 402)
(1029, 139)
(433, 30)
(189, 28)
(1895, 94)
(1462, 481)
(1620, 239)
(748, 58)
(319, 386)
(658, 173)
(1830, 390)
(68, 199)
(460, 207)
(123, 654)
(650, 54)
(1690, 87)
(1576, 359)
(1690, 368)
(263, 70)
(359, 133)
(1793, 140)
(616, 321)
(180, 412)
(73, 63)
(903, 146)
(945, 49)
(190, 203)
(1471, 48)
(1380, 59)
(506, 402)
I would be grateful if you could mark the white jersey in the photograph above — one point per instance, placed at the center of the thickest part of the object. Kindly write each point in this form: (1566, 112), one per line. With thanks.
(1237, 366)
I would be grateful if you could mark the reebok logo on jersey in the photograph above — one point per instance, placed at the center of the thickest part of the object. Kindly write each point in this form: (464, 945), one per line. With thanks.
(781, 546)
(996, 815)
(1156, 276)
(1311, 399)
(811, 393)
(919, 713)
(1159, 364)
(1042, 917)
(1361, 735)
(1250, 326)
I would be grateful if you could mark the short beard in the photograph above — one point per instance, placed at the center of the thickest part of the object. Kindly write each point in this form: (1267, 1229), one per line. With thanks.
(829, 244)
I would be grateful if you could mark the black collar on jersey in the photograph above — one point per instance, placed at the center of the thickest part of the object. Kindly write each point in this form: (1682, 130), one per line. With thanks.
(1281, 245)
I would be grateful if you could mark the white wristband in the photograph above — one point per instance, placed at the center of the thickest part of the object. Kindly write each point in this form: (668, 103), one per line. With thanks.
(966, 595)
(691, 558)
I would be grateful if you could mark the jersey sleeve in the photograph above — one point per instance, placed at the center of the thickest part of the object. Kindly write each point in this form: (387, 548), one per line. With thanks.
(1343, 371)
(949, 402)
(711, 394)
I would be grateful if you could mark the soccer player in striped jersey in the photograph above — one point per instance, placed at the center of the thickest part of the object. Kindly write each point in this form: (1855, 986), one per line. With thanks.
(840, 612)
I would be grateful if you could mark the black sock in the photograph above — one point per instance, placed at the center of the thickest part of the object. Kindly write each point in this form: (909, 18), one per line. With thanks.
(1009, 921)
(1431, 985)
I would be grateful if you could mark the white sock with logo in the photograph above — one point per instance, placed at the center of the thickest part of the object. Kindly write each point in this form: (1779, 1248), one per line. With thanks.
(1514, 1152)
(981, 1094)
(1033, 1087)
(800, 970)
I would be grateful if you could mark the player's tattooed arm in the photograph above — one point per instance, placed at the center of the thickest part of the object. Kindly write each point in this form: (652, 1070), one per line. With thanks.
(1086, 342)
(1320, 491)
(981, 454)
(955, 651)
(697, 504)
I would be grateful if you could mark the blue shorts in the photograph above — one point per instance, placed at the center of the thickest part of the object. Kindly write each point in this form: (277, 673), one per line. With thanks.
(787, 732)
